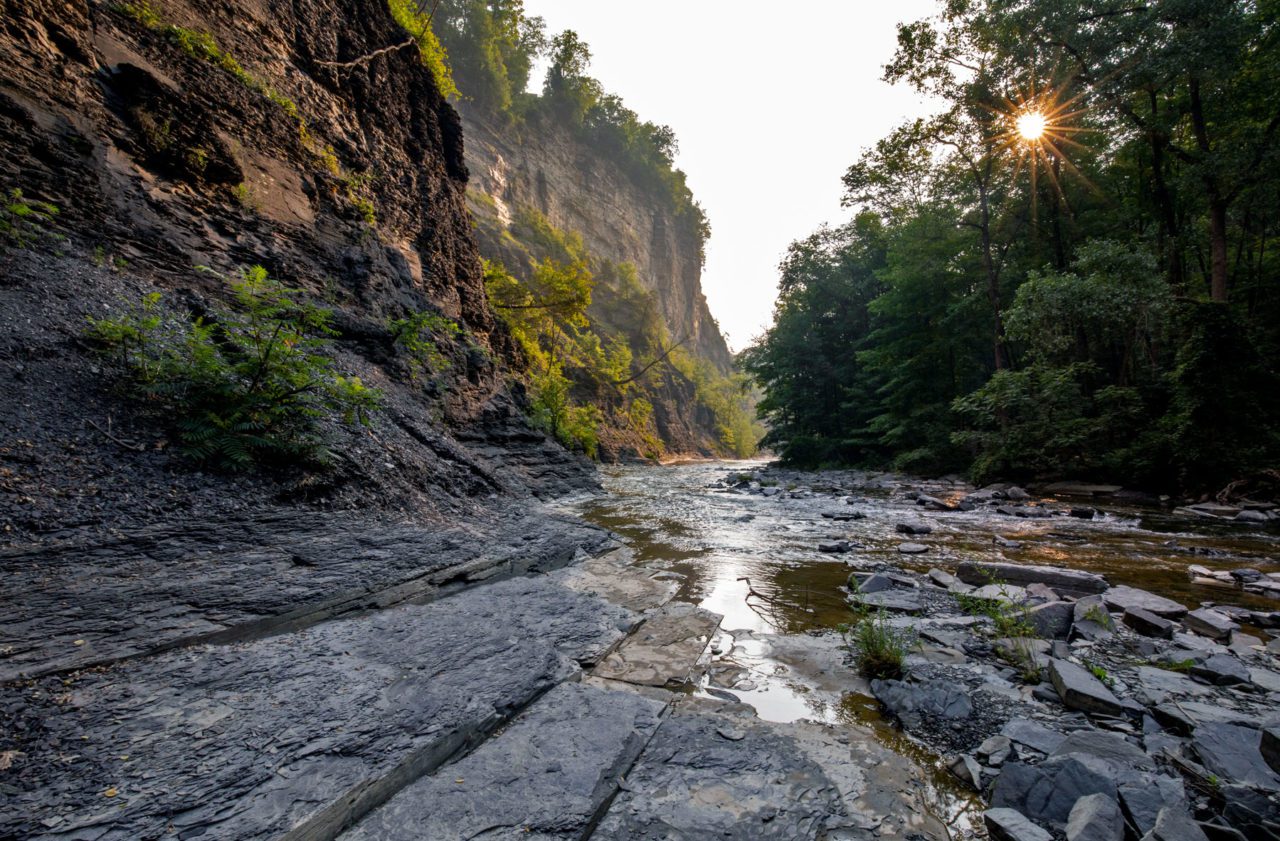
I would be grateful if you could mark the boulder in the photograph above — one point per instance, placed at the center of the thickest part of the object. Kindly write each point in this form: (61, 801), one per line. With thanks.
(1143, 795)
(1012, 825)
(1234, 754)
(900, 601)
(1112, 747)
(1174, 824)
(1252, 517)
(942, 578)
(1092, 609)
(1080, 690)
(1032, 734)
(1148, 624)
(1129, 598)
(1095, 817)
(1210, 623)
(837, 547)
(1067, 581)
(1047, 792)
(913, 703)
(1082, 513)
(995, 750)
(933, 503)
(912, 548)
(913, 528)
(876, 584)
(1221, 670)
(967, 770)
(1052, 620)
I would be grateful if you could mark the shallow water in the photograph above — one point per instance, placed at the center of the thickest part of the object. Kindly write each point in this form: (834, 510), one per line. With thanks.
(754, 560)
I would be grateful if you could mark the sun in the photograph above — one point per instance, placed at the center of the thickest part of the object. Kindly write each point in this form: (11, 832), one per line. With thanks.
(1031, 125)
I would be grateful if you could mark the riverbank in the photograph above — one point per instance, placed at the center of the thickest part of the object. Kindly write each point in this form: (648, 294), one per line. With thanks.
(751, 542)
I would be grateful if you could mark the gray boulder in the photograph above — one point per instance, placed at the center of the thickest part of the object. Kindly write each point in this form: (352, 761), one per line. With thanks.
(1105, 745)
(1234, 754)
(1210, 623)
(1095, 817)
(1143, 795)
(995, 750)
(876, 583)
(913, 528)
(1173, 824)
(1047, 792)
(1221, 670)
(1129, 598)
(913, 703)
(1068, 581)
(1148, 624)
(1080, 690)
(912, 548)
(1032, 734)
(1052, 620)
(1012, 825)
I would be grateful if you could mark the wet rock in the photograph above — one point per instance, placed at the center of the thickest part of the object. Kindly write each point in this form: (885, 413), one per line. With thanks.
(1011, 825)
(1173, 824)
(290, 734)
(664, 649)
(912, 548)
(1066, 581)
(1129, 598)
(1252, 517)
(1080, 690)
(546, 776)
(1046, 792)
(875, 584)
(1112, 747)
(1210, 623)
(913, 703)
(1095, 817)
(1004, 542)
(1221, 670)
(1082, 513)
(837, 547)
(691, 782)
(1052, 620)
(913, 528)
(1033, 734)
(844, 516)
(1148, 624)
(932, 503)
(1234, 754)
(1082, 489)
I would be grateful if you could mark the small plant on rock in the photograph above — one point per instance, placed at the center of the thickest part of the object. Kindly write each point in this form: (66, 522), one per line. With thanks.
(418, 336)
(24, 220)
(880, 648)
(247, 386)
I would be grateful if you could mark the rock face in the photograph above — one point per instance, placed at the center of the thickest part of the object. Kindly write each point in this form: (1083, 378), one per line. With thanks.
(161, 159)
(547, 169)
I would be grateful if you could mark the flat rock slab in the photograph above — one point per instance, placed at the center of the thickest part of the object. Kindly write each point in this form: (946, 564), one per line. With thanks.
(1210, 623)
(900, 601)
(1033, 734)
(748, 782)
(73, 606)
(1234, 754)
(665, 649)
(618, 582)
(294, 733)
(544, 778)
(914, 703)
(1046, 792)
(1130, 598)
(1070, 581)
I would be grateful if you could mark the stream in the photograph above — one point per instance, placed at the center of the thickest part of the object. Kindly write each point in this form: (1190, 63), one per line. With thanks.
(754, 559)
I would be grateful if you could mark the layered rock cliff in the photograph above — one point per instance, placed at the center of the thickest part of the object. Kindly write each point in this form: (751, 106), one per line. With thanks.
(545, 167)
(175, 135)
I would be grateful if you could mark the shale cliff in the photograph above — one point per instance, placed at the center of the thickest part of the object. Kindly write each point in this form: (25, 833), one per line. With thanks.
(303, 136)
(545, 167)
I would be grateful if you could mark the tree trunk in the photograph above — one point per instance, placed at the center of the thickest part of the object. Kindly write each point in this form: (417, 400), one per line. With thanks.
(1217, 202)
(993, 282)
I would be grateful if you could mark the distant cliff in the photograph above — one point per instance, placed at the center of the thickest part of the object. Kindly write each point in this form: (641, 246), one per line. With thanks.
(541, 169)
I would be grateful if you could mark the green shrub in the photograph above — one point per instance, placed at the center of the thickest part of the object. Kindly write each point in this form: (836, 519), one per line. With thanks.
(879, 647)
(247, 387)
(23, 220)
(553, 411)
(418, 336)
(417, 23)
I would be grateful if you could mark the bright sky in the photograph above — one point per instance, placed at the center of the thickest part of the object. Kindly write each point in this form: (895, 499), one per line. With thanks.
(770, 102)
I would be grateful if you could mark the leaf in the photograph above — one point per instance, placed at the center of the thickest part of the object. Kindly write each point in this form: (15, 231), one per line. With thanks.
(111, 792)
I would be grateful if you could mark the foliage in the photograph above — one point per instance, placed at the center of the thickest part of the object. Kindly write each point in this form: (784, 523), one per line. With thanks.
(416, 21)
(880, 648)
(1116, 316)
(245, 387)
(23, 220)
(419, 336)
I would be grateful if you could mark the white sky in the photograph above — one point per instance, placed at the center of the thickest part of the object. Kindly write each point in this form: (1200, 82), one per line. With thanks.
(771, 103)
